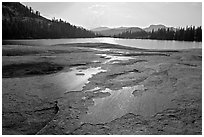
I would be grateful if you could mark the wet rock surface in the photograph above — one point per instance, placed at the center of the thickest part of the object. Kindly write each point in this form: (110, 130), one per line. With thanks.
(152, 91)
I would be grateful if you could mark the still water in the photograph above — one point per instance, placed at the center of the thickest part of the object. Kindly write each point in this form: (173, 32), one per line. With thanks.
(122, 101)
(138, 43)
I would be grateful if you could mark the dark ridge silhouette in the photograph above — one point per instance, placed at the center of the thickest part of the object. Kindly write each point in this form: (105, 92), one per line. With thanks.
(22, 22)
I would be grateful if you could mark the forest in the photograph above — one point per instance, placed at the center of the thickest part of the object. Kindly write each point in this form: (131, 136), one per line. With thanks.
(22, 22)
(191, 33)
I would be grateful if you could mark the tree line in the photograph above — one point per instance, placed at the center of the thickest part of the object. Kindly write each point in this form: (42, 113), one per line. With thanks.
(189, 33)
(34, 29)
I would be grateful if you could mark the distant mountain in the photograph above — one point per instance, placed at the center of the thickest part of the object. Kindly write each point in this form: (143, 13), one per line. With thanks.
(100, 29)
(156, 27)
(22, 22)
(116, 31)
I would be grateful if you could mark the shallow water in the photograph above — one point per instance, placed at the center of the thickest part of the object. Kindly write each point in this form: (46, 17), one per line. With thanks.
(51, 86)
(121, 102)
(111, 58)
(75, 79)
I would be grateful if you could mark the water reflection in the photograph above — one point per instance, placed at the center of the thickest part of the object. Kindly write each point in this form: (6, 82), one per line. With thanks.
(123, 101)
(58, 84)
(75, 79)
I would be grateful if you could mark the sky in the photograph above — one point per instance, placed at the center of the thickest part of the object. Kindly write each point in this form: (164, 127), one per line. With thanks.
(116, 14)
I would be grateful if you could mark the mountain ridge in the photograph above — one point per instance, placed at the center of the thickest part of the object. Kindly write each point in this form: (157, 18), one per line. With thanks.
(100, 29)
(106, 31)
(154, 27)
(116, 31)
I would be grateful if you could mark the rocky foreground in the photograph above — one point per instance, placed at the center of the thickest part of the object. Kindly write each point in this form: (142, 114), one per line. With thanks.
(132, 91)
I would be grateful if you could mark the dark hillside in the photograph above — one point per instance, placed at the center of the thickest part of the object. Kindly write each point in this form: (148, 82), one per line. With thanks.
(22, 22)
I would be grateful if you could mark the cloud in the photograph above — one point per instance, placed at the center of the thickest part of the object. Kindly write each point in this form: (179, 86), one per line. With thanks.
(97, 6)
(98, 9)
(129, 16)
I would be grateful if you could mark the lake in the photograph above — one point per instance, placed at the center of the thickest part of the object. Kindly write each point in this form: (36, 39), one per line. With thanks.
(138, 43)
